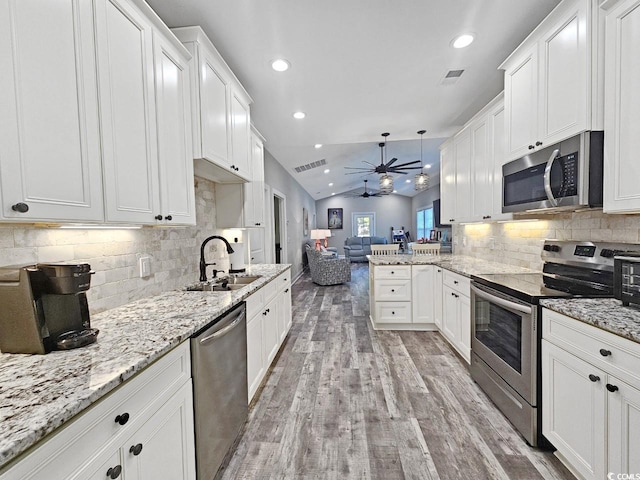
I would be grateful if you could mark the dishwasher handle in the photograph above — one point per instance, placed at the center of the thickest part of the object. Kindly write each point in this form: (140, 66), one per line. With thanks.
(223, 331)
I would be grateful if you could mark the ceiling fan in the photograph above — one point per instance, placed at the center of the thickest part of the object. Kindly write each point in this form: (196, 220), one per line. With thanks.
(384, 168)
(365, 194)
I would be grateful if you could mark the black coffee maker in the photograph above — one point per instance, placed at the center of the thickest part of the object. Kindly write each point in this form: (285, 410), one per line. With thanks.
(44, 307)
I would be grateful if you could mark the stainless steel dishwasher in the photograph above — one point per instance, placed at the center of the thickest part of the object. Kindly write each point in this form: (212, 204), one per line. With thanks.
(219, 370)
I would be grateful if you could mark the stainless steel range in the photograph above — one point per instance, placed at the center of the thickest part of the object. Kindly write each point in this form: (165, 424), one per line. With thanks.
(506, 316)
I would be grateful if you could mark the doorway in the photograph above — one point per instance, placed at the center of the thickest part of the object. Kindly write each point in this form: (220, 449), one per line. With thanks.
(279, 226)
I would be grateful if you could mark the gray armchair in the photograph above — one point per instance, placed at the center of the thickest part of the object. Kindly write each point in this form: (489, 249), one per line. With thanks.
(328, 269)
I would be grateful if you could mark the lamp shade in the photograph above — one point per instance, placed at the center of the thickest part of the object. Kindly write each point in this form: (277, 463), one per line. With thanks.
(327, 233)
(386, 184)
(318, 234)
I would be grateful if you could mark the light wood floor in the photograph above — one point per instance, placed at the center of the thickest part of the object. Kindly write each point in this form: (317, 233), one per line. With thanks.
(344, 401)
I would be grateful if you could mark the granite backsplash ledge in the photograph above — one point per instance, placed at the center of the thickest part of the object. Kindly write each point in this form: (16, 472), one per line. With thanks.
(114, 254)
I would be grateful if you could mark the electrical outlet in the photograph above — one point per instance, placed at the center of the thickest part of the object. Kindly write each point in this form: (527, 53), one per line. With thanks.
(145, 266)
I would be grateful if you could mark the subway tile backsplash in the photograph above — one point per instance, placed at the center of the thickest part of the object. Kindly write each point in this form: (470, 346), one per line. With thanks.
(114, 254)
(520, 243)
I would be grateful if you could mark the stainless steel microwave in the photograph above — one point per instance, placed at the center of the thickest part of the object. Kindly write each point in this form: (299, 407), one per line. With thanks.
(564, 176)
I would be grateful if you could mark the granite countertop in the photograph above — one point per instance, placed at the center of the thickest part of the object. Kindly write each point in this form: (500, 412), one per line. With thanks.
(605, 313)
(38, 393)
(462, 264)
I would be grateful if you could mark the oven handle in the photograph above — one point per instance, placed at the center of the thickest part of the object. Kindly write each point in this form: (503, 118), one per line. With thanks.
(547, 178)
(500, 301)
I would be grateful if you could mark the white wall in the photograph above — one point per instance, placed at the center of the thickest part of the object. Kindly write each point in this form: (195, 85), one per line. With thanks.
(391, 211)
(297, 197)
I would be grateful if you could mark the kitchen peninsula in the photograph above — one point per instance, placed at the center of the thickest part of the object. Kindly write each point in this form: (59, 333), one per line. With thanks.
(428, 292)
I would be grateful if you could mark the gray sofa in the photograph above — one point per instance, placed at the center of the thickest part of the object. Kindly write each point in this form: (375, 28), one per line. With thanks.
(356, 249)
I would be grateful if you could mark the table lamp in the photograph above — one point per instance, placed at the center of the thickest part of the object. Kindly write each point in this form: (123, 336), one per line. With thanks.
(317, 235)
(327, 234)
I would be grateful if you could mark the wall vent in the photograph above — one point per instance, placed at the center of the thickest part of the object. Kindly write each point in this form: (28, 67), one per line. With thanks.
(451, 77)
(309, 166)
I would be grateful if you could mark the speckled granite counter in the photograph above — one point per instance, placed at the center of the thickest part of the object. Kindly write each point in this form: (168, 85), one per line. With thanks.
(462, 264)
(38, 393)
(605, 313)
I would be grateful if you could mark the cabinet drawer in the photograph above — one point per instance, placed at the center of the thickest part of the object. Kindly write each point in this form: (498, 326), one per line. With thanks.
(619, 356)
(457, 282)
(254, 303)
(284, 281)
(393, 312)
(393, 271)
(393, 290)
(92, 430)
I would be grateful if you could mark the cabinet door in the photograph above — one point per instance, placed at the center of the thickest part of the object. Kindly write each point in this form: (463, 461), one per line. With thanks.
(240, 135)
(573, 410)
(288, 318)
(253, 191)
(256, 239)
(624, 428)
(463, 175)
(175, 148)
(255, 356)
(622, 108)
(521, 105)
(423, 293)
(448, 184)
(437, 297)
(50, 157)
(482, 170)
(450, 319)
(127, 108)
(166, 441)
(111, 462)
(214, 126)
(464, 323)
(497, 149)
(270, 335)
(564, 78)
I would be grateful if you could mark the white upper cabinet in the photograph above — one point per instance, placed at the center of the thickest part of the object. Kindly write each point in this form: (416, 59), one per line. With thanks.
(462, 142)
(50, 164)
(175, 153)
(221, 113)
(447, 182)
(254, 190)
(552, 81)
(622, 103)
(125, 69)
(497, 143)
(482, 171)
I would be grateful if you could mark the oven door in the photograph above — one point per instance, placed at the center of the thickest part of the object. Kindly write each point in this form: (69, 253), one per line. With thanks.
(504, 337)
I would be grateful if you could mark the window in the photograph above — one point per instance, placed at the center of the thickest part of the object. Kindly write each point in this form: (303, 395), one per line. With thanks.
(363, 224)
(424, 222)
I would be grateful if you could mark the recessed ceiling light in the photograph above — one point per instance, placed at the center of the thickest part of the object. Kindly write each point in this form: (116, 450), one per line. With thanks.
(427, 165)
(395, 191)
(333, 193)
(331, 184)
(407, 181)
(299, 115)
(327, 171)
(462, 41)
(318, 145)
(280, 65)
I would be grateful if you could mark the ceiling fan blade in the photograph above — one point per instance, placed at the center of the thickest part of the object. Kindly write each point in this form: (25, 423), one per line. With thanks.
(369, 163)
(391, 162)
(408, 163)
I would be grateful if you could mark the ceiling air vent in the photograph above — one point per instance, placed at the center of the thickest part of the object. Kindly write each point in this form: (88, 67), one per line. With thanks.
(452, 77)
(309, 166)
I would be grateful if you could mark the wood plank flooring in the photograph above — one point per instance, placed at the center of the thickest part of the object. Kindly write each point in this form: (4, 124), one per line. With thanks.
(346, 402)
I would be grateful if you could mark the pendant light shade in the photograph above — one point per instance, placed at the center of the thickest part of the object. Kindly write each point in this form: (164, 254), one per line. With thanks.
(386, 184)
(421, 180)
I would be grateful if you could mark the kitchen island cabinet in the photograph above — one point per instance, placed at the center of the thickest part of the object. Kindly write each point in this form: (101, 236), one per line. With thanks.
(70, 405)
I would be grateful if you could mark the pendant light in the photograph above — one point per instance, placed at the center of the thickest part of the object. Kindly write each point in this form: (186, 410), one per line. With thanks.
(421, 181)
(386, 180)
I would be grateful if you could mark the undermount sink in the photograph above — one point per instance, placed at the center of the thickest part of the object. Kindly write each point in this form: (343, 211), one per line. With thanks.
(222, 285)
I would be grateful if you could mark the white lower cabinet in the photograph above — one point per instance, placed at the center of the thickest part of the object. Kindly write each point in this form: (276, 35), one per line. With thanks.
(141, 430)
(437, 296)
(424, 293)
(590, 397)
(269, 321)
(456, 312)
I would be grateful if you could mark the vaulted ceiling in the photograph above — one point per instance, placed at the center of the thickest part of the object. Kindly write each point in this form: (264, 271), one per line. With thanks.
(360, 68)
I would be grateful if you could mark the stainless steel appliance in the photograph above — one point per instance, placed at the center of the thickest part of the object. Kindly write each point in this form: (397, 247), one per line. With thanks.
(564, 176)
(627, 278)
(44, 307)
(506, 330)
(219, 371)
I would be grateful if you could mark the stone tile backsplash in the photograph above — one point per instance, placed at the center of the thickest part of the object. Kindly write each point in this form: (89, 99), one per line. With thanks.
(114, 254)
(520, 243)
